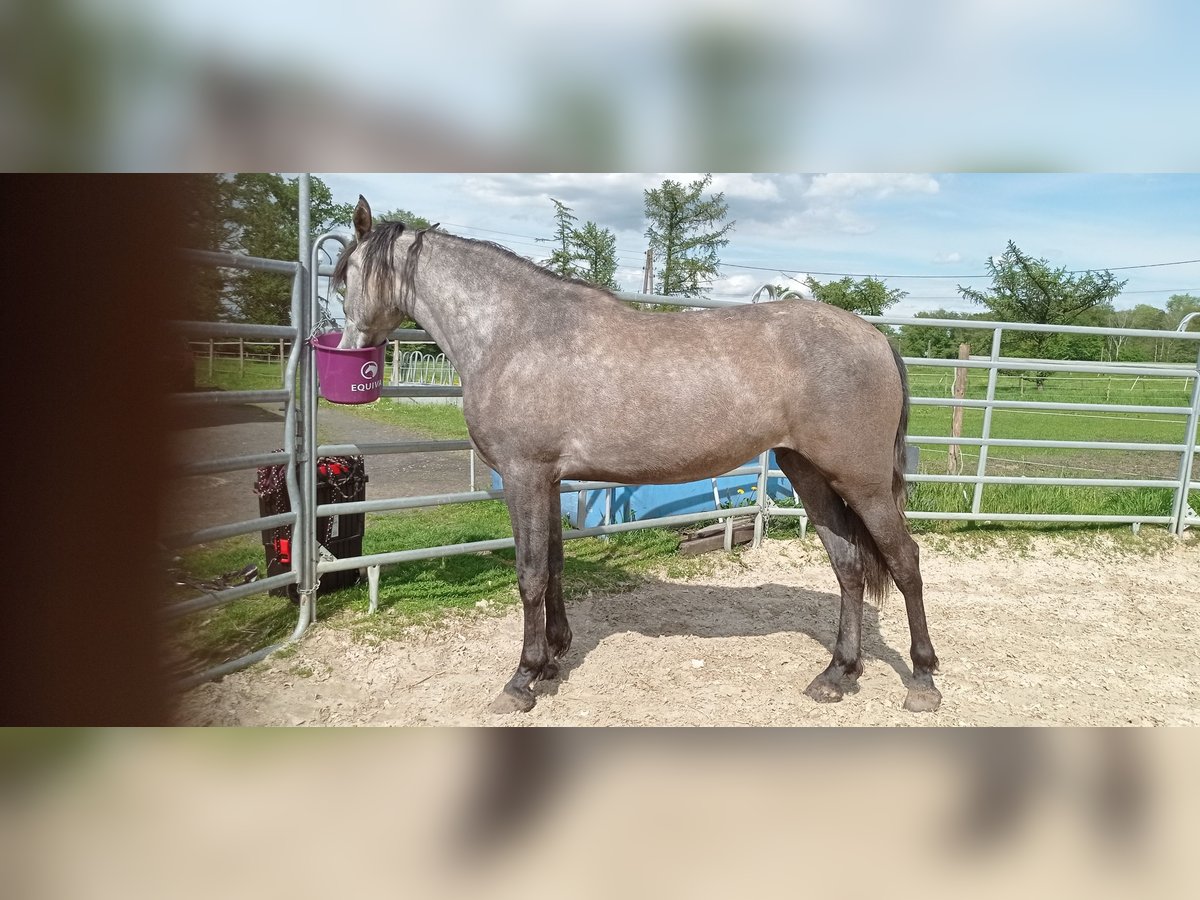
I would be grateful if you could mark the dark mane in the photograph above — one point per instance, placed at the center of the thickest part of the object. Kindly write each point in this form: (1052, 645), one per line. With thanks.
(377, 256)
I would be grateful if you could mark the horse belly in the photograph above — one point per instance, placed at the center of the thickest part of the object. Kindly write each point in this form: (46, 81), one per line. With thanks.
(660, 452)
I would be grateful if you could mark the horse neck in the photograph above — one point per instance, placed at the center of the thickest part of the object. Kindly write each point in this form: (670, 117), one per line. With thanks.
(475, 302)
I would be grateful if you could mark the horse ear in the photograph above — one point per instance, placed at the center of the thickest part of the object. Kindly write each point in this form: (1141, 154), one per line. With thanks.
(362, 218)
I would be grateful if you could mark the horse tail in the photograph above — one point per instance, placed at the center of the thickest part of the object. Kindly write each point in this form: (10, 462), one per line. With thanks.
(877, 577)
(900, 463)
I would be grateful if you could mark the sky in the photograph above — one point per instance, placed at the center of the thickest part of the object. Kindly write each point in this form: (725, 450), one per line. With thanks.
(942, 227)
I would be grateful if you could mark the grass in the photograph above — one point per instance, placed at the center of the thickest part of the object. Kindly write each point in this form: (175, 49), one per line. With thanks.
(418, 592)
(1112, 426)
(432, 420)
(230, 375)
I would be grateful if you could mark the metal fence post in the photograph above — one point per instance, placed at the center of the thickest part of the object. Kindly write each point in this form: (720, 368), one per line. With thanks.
(993, 374)
(760, 516)
(308, 403)
(1180, 509)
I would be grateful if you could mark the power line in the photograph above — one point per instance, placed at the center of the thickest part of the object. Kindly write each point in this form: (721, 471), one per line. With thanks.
(638, 254)
(1122, 294)
(1181, 262)
(538, 241)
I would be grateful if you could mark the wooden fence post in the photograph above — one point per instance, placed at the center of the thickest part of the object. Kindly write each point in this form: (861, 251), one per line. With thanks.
(954, 465)
(241, 356)
(210, 360)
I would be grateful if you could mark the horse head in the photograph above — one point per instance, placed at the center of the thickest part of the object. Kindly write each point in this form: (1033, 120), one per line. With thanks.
(367, 268)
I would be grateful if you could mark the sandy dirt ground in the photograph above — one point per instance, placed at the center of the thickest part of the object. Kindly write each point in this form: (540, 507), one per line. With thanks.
(1075, 630)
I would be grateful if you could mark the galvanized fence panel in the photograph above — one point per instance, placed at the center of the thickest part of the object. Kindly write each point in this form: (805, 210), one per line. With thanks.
(295, 422)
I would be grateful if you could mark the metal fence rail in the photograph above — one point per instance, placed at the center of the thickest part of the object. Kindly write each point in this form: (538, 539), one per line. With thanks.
(299, 393)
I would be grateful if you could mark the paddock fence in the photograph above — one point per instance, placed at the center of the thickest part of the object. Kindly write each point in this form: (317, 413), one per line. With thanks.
(298, 395)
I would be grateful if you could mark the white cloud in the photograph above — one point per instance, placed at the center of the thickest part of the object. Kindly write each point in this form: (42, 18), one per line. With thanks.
(521, 187)
(844, 184)
(747, 187)
(942, 259)
(825, 218)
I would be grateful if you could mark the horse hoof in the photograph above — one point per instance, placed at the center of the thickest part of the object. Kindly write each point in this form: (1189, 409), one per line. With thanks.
(824, 691)
(507, 703)
(923, 698)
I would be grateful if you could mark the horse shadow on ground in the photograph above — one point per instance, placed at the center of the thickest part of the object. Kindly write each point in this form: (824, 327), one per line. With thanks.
(666, 609)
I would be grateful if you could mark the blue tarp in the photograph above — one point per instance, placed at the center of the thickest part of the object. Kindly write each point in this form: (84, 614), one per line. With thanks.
(654, 500)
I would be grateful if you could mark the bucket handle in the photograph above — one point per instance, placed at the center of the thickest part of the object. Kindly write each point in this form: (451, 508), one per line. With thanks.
(325, 324)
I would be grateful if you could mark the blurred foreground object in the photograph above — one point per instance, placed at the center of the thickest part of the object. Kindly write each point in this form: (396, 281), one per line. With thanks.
(87, 386)
(229, 86)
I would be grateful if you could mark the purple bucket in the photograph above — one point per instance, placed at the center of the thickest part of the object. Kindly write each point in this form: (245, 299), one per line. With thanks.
(348, 376)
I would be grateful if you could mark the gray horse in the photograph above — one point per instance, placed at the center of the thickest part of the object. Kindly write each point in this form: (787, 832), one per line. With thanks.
(563, 381)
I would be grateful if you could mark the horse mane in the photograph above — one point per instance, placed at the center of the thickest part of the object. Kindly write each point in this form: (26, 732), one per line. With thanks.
(379, 263)
(377, 257)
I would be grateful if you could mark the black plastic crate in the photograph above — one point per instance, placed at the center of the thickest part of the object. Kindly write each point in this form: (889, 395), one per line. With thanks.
(340, 479)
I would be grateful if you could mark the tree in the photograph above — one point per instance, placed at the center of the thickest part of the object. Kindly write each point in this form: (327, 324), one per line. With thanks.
(1029, 290)
(263, 211)
(867, 296)
(596, 248)
(1178, 306)
(588, 253)
(408, 217)
(937, 341)
(207, 227)
(1083, 346)
(685, 230)
(1143, 316)
(562, 259)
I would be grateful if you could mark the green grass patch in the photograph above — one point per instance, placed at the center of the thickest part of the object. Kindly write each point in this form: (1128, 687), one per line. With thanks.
(417, 592)
(231, 375)
(433, 420)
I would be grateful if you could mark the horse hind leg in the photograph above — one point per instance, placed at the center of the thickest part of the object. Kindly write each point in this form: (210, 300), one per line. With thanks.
(895, 546)
(831, 519)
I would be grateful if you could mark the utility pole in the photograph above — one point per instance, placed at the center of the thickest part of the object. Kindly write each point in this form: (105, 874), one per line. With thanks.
(648, 273)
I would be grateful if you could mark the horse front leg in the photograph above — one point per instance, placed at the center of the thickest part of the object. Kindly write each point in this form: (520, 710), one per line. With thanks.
(529, 495)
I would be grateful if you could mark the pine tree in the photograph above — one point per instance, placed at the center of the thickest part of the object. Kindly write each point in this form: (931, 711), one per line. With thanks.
(686, 229)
